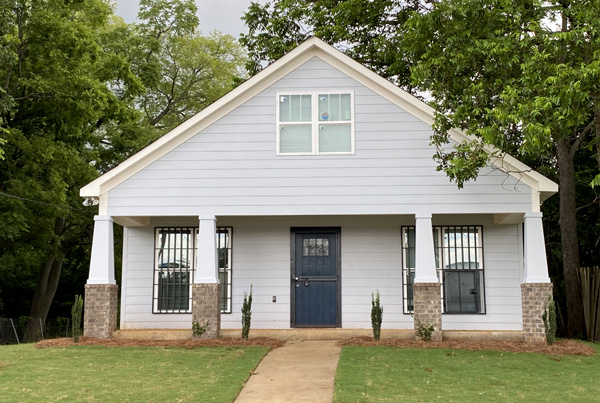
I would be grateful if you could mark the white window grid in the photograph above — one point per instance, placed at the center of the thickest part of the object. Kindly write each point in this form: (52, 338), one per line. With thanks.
(315, 122)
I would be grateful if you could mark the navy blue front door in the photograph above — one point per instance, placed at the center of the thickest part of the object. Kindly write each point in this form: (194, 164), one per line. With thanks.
(315, 277)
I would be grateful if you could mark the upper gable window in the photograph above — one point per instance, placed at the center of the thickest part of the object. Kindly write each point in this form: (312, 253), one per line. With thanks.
(315, 123)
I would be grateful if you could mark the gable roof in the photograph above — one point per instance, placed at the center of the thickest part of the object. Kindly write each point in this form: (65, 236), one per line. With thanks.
(312, 47)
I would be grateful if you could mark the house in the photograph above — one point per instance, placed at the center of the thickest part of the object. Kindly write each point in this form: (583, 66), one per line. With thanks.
(314, 183)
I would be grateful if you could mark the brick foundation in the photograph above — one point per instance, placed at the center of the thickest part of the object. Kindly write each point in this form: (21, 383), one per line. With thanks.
(206, 307)
(100, 310)
(428, 307)
(534, 297)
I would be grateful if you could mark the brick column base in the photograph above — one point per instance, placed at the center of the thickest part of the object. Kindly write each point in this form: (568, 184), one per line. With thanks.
(534, 297)
(206, 307)
(100, 310)
(428, 307)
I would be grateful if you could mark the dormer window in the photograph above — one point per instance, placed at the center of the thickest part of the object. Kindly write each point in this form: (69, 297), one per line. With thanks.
(315, 123)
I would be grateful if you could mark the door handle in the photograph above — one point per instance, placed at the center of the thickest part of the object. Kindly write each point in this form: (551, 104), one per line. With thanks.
(297, 278)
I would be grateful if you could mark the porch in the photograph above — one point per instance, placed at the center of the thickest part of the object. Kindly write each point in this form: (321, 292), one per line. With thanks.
(376, 253)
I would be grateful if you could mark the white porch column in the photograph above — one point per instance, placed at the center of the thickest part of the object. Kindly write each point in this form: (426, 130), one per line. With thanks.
(536, 266)
(100, 298)
(206, 263)
(206, 290)
(425, 270)
(426, 288)
(102, 263)
(536, 288)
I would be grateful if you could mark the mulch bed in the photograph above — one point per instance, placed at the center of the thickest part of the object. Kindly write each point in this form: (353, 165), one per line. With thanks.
(191, 343)
(561, 347)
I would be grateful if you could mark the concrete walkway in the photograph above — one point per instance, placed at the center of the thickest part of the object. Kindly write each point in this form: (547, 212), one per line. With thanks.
(300, 371)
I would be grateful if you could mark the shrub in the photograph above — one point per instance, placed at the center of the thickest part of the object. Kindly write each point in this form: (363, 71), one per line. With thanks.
(376, 315)
(424, 331)
(549, 318)
(246, 314)
(76, 315)
(197, 329)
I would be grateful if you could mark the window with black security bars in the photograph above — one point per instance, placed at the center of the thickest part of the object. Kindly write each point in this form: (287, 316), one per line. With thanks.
(224, 236)
(460, 269)
(174, 257)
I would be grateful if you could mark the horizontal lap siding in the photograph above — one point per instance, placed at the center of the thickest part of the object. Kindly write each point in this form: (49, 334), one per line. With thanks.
(261, 258)
(230, 168)
(372, 261)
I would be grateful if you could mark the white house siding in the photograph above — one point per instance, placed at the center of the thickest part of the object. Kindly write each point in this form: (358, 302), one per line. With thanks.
(371, 260)
(231, 167)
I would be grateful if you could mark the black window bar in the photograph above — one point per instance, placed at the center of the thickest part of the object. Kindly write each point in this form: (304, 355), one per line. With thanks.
(173, 269)
(224, 251)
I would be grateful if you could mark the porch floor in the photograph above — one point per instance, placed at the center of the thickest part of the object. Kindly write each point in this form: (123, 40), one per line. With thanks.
(316, 334)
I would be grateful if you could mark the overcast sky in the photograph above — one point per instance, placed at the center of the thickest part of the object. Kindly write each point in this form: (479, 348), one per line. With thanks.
(222, 15)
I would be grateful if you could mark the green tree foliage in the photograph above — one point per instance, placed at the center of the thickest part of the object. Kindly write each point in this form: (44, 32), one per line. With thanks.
(53, 96)
(521, 76)
(182, 70)
(80, 90)
(366, 30)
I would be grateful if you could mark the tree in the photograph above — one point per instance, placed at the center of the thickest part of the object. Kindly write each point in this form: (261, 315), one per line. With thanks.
(183, 71)
(53, 95)
(74, 80)
(524, 77)
(366, 30)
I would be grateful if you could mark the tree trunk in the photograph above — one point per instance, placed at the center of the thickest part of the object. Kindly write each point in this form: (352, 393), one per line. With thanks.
(569, 240)
(45, 289)
(46, 285)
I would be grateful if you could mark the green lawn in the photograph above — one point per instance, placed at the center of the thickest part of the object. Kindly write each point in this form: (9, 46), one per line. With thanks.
(146, 374)
(390, 374)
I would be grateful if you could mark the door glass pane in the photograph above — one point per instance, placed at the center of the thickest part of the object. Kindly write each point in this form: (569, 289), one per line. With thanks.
(295, 139)
(315, 247)
(335, 138)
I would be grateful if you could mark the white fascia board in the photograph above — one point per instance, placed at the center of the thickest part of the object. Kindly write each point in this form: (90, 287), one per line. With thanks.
(198, 122)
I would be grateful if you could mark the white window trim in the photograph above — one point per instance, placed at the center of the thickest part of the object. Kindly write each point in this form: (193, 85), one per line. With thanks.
(315, 123)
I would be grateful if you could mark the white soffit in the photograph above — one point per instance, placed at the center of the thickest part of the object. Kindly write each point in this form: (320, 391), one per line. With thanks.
(308, 49)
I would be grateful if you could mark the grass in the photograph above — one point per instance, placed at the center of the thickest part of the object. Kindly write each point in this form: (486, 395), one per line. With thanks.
(147, 374)
(389, 374)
